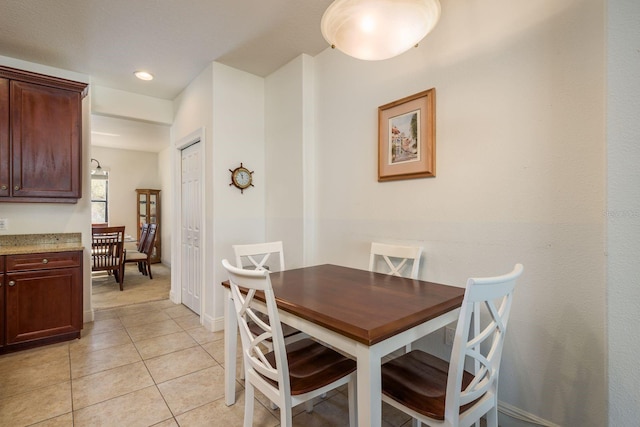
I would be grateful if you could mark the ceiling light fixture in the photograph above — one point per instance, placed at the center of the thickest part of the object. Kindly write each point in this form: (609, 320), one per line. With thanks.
(143, 75)
(378, 29)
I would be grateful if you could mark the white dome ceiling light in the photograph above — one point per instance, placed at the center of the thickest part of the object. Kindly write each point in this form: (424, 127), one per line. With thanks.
(378, 29)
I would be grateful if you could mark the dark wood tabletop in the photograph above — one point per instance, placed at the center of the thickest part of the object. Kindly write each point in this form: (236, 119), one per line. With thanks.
(365, 306)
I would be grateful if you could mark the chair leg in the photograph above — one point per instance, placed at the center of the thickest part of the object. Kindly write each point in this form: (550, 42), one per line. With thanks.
(308, 406)
(149, 268)
(286, 416)
(248, 405)
(122, 277)
(492, 417)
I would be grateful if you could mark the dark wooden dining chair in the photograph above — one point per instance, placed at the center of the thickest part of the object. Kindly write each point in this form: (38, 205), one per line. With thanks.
(107, 251)
(143, 257)
(289, 375)
(440, 393)
(144, 232)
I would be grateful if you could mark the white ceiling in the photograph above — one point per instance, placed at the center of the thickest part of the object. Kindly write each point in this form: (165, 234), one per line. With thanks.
(173, 39)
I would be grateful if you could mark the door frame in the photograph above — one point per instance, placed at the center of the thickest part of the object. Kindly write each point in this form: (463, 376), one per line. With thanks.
(197, 136)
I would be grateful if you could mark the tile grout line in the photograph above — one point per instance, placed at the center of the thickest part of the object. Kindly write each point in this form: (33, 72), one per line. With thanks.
(156, 384)
(71, 385)
(144, 362)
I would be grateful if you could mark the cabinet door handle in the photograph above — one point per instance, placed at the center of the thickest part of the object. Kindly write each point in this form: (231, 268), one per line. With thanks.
(45, 261)
(12, 283)
(17, 187)
(4, 187)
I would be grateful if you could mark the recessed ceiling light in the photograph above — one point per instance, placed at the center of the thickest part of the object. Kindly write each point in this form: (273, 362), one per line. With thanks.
(143, 75)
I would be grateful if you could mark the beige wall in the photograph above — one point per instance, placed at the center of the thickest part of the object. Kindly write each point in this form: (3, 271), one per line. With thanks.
(623, 211)
(286, 140)
(128, 170)
(520, 178)
(225, 106)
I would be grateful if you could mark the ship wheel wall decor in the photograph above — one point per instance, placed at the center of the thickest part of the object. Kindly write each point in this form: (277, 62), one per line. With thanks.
(242, 178)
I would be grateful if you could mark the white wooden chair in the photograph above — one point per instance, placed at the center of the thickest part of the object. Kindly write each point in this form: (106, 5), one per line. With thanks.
(255, 257)
(287, 375)
(396, 259)
(443, 394)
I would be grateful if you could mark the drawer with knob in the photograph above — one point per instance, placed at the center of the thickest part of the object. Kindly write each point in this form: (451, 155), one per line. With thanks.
(40, 299)
(46, 260)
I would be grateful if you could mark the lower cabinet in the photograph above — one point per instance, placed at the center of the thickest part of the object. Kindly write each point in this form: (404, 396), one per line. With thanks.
(42, 299)
(2, 286)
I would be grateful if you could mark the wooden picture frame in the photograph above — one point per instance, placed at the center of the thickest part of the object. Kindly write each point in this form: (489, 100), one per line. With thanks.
(406, 138)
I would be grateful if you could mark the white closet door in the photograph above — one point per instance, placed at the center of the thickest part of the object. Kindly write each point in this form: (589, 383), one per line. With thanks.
(191, 280)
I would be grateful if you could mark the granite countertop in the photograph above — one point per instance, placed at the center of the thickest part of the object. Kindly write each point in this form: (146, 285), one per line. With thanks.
(19, 244)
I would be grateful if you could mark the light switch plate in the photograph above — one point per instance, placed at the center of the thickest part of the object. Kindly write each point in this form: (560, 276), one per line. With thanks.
(4, 224)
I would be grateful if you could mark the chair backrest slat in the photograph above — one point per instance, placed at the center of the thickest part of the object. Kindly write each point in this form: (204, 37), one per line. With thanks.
(150, 239)
(107, 249)
(487, 299)
(144, 231)
(244, 284)
(396, 259)
(258, 255)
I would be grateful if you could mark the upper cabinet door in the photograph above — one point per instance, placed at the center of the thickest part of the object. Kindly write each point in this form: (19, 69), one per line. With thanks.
(46, 141)
(4, 138)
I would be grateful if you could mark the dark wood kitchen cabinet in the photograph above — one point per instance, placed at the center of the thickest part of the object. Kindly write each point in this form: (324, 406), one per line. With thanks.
(40, 137)
(4, 139)
(42, 299)
(2, 286)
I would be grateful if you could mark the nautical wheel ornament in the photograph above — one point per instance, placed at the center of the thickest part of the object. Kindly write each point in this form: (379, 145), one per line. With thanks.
(241, 177)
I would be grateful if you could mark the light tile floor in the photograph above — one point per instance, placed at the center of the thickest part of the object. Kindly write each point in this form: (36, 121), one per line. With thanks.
(148, 364)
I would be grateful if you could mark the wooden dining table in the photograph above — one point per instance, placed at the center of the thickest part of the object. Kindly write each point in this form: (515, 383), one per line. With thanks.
(363, 314)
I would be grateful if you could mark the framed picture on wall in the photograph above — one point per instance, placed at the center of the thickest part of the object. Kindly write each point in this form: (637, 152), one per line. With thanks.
(406, 137)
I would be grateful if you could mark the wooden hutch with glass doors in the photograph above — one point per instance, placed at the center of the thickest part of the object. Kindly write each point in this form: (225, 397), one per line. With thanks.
(149, 213)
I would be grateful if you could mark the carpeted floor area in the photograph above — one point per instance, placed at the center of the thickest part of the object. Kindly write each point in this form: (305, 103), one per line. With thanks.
(137, 287)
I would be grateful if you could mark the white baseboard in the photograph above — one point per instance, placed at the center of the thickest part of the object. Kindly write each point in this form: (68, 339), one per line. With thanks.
(217, 324)
(174, 297)
(213, 324)
(87, 316)
(519, 414)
